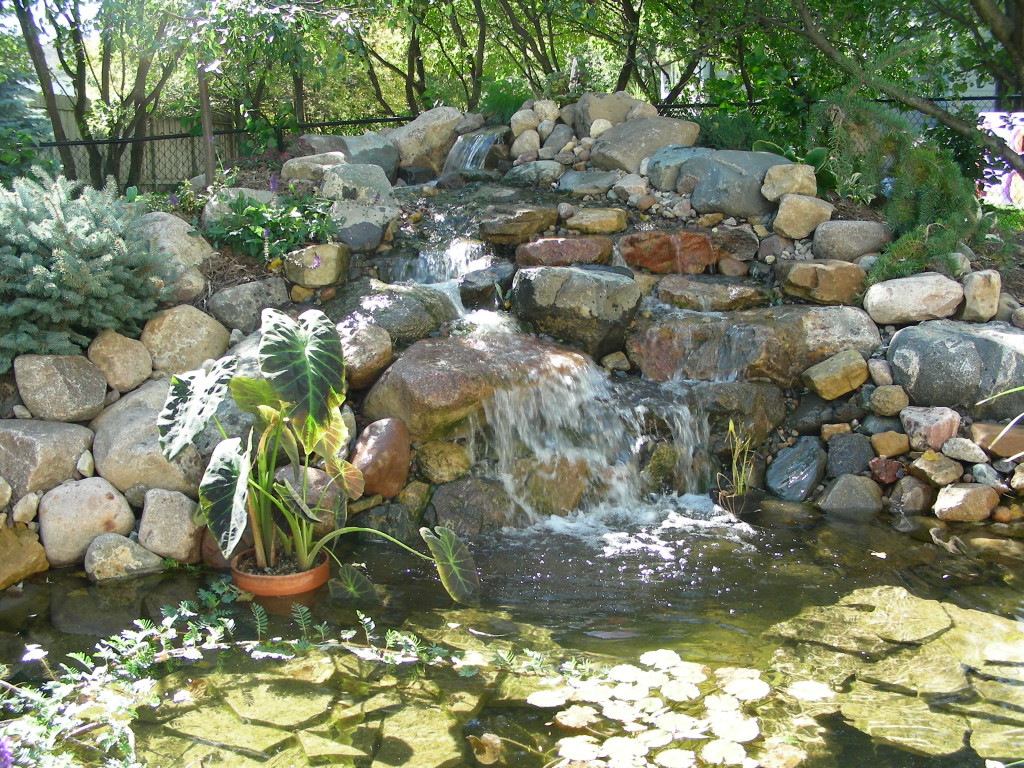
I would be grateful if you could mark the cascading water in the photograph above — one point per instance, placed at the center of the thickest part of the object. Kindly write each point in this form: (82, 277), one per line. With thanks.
(565, 442)
(471, 149)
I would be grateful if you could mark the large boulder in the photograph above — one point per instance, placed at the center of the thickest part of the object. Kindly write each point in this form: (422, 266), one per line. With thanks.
(428, 139)
(538, 173)
(775, 344)
(311, 167)
(125, 362)
(590, 309)
(60, 387)
(849, 240)
(181, 338)
(369, 148)
(21, 555)
(945, 362)
(128, 455)
(625, 145)
(663, 168)
(437, 383)
(515, 223)
(367, 351)
(38, 455)
(613, 107)
(926, 296)
(682, 252)
(730, 181)
(73, 514)
(407, 312)
(175, 241)
(564, 251)
(168, 527)
(473, 505)
(363, 226)
(582, 183)
(239, 306)
(357, 184)
(382, 453)
(711, 293)
(114, 556)
(822, 281)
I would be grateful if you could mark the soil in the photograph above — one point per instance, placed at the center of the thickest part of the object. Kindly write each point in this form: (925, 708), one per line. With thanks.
(285, 567)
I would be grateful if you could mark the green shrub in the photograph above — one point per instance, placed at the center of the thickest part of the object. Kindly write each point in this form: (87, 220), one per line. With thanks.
(70, 266)
(728, 130)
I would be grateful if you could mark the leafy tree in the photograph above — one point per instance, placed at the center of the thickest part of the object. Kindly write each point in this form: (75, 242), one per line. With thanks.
(22, 126)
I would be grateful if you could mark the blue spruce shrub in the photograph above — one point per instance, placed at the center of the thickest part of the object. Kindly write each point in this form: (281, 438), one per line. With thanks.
(72, 263)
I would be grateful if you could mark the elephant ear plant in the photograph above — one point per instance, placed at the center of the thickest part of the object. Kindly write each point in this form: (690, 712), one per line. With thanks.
(298, 421)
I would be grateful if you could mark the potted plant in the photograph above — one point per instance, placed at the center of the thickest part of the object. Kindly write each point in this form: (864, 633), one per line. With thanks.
(736, 492)
(298, 423)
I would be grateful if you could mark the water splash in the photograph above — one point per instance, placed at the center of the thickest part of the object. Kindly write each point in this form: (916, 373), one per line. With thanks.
(470, 150)
(566, 443)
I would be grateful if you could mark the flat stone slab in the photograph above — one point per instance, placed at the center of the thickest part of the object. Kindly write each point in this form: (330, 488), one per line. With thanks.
(278, 703)
(219, 728)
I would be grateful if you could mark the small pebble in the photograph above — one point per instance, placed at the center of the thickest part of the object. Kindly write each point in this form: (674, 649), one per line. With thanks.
(21, 412)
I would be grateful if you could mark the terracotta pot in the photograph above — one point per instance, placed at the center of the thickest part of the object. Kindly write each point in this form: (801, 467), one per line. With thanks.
(271, 585)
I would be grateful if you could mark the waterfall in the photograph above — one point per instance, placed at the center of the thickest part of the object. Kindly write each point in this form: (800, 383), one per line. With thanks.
(470, 150)
(566, 442)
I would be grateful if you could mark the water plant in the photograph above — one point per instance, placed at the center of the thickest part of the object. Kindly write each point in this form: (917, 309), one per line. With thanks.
(298, 427)
(736, 488)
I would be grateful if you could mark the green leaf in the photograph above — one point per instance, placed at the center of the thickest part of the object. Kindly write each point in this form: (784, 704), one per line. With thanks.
(352, 586)
(224, 493)
(816, 157)
(347, 476)
(249, 394)
(191, 401)
(768, 146)
(302, 361)
(295, 501)
(334, 440)
(454, 564)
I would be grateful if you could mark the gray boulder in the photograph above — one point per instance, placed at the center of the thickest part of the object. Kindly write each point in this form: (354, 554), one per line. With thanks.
(182, 249)
(849, 240)
(240, 305)
(428, 139)
(945, 362)
(848, 454)
(38, 455)
(533, 174)
(363, 227)
(625, 145)
(357, 184)
(580, 183)
(797, 470)
(60, 387)
(663, 168)
(560, 136)
(407, 312)
(729, 182)
(474, 505)
(851, 496)
(73, 514)
(588, 308)
(367, 149)
(168, 527)
(113, 556)
(311, 167)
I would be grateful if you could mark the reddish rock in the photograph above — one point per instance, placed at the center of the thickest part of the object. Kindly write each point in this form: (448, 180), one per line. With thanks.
(884, 471)
(685, 253)
(382, 453)
(732, 267)
(564, 251)
(995, 441)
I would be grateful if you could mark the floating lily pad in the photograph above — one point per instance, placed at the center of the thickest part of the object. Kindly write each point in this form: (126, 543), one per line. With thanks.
(903, 722)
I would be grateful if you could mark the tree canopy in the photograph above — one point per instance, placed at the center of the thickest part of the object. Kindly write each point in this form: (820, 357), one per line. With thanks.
(275, 63)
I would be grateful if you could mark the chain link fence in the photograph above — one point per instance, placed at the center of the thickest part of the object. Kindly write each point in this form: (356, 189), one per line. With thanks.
(168, 159)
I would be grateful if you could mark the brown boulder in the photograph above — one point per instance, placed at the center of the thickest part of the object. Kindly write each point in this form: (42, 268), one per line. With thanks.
(564, 251)
(822, 282)
(437, 383)
(680, 252)
(382, 453)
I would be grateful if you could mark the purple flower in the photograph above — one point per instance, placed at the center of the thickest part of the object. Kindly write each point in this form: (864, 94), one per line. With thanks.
(6, 753)
(273, 184)
(316, 263)
(172, 199)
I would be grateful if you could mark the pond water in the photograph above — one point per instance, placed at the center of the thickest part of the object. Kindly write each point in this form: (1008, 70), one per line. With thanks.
(632, 574)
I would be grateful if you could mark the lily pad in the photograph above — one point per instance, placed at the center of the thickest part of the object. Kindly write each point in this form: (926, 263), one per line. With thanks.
(676, 758)
(576, 718)
(722, 752)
